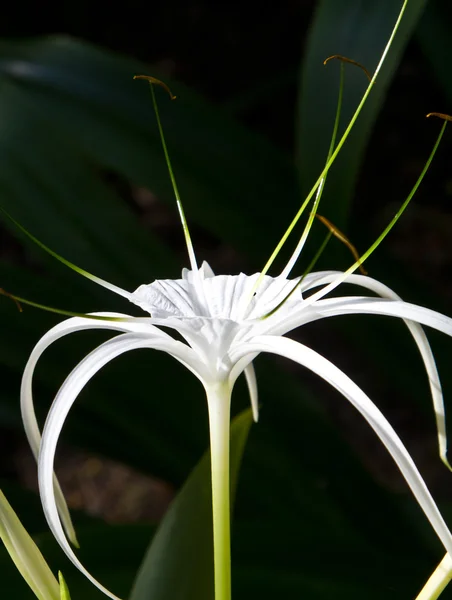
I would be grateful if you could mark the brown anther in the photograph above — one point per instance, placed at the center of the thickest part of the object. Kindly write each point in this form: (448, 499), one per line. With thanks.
(440, 115)
(350, 61)
(156, 82)
(341, 237)
(13, 298)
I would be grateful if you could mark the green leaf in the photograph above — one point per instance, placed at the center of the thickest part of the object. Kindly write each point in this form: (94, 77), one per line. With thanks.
(179, 562)
(64, 590)
(359, 31)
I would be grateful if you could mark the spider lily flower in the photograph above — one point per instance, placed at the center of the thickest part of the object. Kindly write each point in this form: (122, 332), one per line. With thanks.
(225, 322)
(27, 557)
(224, 331)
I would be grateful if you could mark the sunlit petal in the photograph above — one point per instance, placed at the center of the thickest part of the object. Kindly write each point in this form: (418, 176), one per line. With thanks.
(326, 370)
(26, 397)
(407, 312)
(63, 402)
(311, 313)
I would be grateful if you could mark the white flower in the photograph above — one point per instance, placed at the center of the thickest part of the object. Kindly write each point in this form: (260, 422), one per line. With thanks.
(226, 322)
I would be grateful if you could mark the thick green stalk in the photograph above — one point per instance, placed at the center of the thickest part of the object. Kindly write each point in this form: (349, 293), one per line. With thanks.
(219, 403)
(438, 580)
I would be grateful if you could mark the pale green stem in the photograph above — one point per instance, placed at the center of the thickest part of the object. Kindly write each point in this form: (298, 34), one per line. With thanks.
(438, 580)
(219, 403)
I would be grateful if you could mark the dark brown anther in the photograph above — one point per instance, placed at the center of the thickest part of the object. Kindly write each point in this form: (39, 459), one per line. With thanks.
(440, 115)
(11, 297)
(155, 81)
(350, 61)
(343, 238)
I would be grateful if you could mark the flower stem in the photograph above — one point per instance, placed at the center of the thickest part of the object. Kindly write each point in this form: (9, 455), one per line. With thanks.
(438, 580)
(219, 402)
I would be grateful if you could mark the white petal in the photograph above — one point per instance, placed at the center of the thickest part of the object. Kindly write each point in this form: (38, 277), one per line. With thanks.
(205, 271)
(63, 402)
(330, 373)
(169, 297)
(390, 308)
(222, 296)
(407, 312)
(415, 329)
(251, 381)
(26, 397)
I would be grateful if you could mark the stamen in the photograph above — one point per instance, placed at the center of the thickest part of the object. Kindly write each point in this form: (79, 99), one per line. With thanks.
(321, 293)
(301, 279)
(13, 298)
(87, 274)
(156, 82)
(337, 233)
(340, 144)
(440, 115)
(350, 61)
(191, 253)
(288, 268)
(293, 259)
(59, 311)
(343, 238)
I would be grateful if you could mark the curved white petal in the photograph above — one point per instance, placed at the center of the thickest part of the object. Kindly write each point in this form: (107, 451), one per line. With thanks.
(223, 297)
(406, 311)
(251, 381)
(324, 368)
(322, 278)
(63, 402)
(26, 396)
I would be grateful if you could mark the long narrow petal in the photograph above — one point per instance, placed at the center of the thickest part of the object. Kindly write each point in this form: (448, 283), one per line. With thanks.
(26, 555)
(302, 316)
(403, 310)
(26, 397)
(63, 402)
(251, 381)
(321, 366)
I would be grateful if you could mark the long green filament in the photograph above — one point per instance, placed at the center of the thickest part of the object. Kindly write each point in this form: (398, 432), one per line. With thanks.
(219, 401)
(339, 146)
(293, 259)
(438, 580)
(311, 265)
(94, 278)
(381, 237)
(188, 242)
(67, 313)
